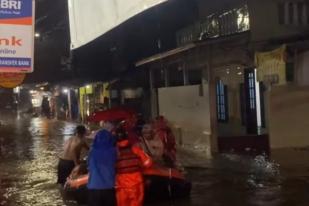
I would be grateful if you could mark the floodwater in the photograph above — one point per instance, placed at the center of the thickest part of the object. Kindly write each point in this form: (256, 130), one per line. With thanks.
(28, 159)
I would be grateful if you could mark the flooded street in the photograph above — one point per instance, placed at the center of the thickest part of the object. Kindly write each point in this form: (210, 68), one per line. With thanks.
(28, 159)
(216, 92)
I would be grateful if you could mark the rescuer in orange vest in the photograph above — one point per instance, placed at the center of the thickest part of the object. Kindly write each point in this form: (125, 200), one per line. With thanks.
(131, 159)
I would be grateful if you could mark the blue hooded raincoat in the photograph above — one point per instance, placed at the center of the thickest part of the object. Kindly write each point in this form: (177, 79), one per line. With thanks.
(101, 162)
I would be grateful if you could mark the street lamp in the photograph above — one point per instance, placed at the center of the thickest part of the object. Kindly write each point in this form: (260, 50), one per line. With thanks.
(65, 91)
(16, 90)
(68, 93)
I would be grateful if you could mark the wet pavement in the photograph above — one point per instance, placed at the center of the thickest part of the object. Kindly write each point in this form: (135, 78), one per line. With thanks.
(28, 159)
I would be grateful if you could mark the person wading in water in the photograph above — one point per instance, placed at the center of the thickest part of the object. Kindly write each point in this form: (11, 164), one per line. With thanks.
(71, 154)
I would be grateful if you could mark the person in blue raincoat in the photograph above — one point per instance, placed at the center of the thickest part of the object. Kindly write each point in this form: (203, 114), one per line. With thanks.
(101, 163)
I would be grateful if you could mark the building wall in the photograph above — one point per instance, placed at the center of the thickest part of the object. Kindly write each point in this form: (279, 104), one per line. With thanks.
(303, 68)
(264, 21)
(187, 109)
(289, 116)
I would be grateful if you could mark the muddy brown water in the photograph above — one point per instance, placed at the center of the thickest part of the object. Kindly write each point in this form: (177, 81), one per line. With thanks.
(28, 159)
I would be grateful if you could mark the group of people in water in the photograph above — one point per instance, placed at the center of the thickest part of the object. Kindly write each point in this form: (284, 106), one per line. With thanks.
(117, 156)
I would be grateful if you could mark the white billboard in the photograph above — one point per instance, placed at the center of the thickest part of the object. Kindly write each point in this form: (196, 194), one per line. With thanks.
(89, 19)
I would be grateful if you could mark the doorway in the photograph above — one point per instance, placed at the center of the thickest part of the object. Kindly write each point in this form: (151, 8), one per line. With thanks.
(240, 111)
(252, 102)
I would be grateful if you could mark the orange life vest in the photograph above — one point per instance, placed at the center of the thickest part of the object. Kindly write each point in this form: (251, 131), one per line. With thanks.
(127, 161)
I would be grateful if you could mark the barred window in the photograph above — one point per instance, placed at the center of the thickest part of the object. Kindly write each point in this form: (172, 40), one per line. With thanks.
(281, 12)
(293, 13)
(307, 12)
(300, 12)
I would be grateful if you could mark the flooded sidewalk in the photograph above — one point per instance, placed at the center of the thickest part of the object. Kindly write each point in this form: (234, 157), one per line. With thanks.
(28, 159)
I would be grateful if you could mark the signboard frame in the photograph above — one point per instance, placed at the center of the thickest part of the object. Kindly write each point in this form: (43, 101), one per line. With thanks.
(11, 80)
(18, 29)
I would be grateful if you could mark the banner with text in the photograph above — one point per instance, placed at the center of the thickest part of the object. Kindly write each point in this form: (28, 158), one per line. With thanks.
(16, 36)
(271, 66)
(91, 19)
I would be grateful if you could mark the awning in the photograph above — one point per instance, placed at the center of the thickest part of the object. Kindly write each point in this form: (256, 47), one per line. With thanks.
(240, 38)
(164, 55)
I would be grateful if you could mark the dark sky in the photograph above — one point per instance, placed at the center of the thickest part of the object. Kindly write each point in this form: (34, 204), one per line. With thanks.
(112, 53)
(52, 24)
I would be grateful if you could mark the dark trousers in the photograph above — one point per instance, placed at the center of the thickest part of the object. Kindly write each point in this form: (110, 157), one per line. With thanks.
(105, 197)
(65, 168)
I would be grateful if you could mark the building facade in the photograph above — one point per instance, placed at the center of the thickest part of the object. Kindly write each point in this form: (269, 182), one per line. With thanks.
(237, 78)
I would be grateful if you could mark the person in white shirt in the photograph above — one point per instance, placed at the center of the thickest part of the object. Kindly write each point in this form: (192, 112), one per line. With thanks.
(151, 144)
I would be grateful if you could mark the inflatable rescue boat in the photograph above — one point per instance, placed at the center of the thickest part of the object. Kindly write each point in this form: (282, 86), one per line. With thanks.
(161, 184)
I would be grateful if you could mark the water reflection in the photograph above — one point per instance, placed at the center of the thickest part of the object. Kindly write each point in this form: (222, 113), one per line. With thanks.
(28, 175)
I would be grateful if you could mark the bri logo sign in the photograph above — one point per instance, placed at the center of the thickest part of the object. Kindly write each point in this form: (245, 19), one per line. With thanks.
(17, 36)
(10, 4)
(12, 41)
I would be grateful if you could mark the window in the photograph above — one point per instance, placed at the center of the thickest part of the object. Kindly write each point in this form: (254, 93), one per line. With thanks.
(234, 21)
(251, 79)
(194, 76)
(158, 75)
(293, 13)
(281, 13)
(307, 12)
(290, 71)
(243, 21)
(222, 102)
(300, 11)
(224, 23)
(175, 76)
